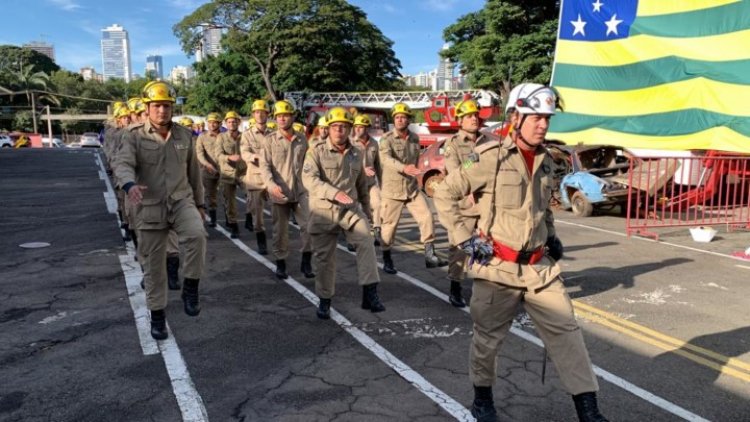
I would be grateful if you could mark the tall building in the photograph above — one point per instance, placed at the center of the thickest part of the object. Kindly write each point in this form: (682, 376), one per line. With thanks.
(42, 47)
(444, 78)
(181, 74)
(210, 44)
(116, 53)
(155, 65)
(89, 73)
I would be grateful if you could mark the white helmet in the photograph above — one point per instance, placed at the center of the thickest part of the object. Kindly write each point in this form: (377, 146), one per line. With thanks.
(531, 98)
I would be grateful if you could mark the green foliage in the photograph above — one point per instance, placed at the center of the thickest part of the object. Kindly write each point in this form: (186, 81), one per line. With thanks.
(226, 82)
(297, 45)
(23, 122)
(505, 43)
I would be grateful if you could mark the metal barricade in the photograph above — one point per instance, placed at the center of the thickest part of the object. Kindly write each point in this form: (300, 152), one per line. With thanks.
(688, 191)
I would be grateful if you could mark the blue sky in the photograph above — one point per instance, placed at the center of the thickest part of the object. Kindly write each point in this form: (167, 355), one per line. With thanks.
(74, 27)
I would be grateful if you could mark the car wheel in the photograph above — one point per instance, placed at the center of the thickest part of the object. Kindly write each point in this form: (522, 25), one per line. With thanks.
(581, 205)
(431, 183)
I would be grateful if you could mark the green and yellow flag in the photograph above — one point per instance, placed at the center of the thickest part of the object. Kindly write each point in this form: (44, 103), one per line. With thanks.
(657, 74)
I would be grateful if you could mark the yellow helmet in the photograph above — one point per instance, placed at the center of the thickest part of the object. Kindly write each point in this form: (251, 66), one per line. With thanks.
(186, 121)
(116, 107)
(252, 121)
(299, 127)
(232, 115)
(131, 103)
(282, 107)
(322, 122)
(136, 105)
(401, 108)
(260, 105)
(466, 107)
(122, 111)
(338, 114)
(213, 117)
(362, 120)
(271, 125)
(198, 122)
(158, 91)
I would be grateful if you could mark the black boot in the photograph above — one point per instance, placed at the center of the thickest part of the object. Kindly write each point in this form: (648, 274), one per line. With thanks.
(143, 284)
(388, 263)
(324, 309)
(249, 222)
(483, 407)
(212, 218)
(306, 266)
(350, 247)
(587, 408)
(159, 325)
(262, 247)
(293, 219)
(173, 267)
(190, 297)
(430, 259)
(127, 236)
(376, 235)
(370, 299)
(235, 230)
(281, 269)
(119, 216)
(456, 296)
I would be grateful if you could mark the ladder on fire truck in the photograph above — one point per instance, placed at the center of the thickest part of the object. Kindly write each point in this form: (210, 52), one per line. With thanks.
(385, 100)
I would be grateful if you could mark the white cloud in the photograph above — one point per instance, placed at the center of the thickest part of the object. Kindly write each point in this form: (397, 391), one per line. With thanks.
(68, 5)
(161, 50)
(441, 5)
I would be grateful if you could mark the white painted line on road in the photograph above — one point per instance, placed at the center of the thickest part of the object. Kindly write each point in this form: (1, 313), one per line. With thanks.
(190, 402)
(743, 267)
(518, 331)
(443, 400)
(647, 240)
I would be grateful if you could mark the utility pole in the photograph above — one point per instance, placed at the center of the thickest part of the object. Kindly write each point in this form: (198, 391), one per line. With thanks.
(33, 111)
(49, 127)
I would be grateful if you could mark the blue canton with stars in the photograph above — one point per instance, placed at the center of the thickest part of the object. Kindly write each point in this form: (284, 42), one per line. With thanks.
(597, 20)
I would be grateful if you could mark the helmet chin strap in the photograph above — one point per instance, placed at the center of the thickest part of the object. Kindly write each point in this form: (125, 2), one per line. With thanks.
(519, 136)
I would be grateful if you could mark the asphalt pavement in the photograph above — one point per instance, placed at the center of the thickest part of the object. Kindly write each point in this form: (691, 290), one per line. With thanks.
(667, 324)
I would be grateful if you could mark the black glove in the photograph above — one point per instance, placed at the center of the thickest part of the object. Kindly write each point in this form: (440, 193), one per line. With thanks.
(478, 250)
(554, 248)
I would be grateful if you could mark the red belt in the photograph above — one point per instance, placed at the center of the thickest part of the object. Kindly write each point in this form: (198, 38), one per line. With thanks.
(507, 253)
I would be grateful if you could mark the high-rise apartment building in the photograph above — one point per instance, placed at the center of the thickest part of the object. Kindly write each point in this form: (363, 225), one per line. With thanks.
(89, 73)
(181, 74)
(444, 78)
(210, 44)
(116, 53)
(42, 47)
(155, 66)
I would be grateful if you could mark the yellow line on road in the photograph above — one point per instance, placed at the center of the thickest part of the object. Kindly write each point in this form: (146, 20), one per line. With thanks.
(721, 363)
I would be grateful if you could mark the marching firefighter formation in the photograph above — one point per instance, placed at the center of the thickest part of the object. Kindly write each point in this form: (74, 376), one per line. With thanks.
(494, 203)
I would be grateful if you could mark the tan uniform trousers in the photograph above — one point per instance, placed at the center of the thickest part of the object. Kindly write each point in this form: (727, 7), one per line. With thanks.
(211, 186)
(375, 203)
(256, 203)
(280, 217)
(324, 247)
(185, 220)
(128, 210)
(493, 307)
(120, 195)
(390, 212)
(229, 193)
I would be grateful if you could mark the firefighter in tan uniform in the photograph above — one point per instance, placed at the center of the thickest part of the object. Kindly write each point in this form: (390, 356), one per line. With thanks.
(281, 166)
(161, 175)
(137, 116)
(320, 134)
(459, 150)
(205, 150)
(251, 149)
(112, 145)
(335, 177)
(232, 168)
(514, 252)
(399, 153)
(371, 161)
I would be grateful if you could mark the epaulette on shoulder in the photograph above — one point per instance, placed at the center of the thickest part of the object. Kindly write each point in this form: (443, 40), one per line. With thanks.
(486, 146)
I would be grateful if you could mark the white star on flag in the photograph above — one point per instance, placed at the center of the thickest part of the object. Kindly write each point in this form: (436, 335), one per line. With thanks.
(579, 25)
(612, 24)
(598, 6)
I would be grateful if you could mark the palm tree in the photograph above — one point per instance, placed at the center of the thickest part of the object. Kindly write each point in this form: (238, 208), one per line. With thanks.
(30, 81)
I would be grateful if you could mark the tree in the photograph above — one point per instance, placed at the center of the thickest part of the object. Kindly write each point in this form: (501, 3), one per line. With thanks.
(298, 44)
(505, 43)
(228, 81)
(29, 80)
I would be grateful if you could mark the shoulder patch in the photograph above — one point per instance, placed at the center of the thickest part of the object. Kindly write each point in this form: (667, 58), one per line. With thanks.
(486, 146)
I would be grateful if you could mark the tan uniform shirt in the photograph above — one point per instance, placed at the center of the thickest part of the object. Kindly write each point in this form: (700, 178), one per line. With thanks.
(282, 165)
(227, 145)
(251, 149)
(395, 154)
(370, 158)
(167, 167)
(328, 171)
(205, 149)
(459, 150)
(518, 213)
